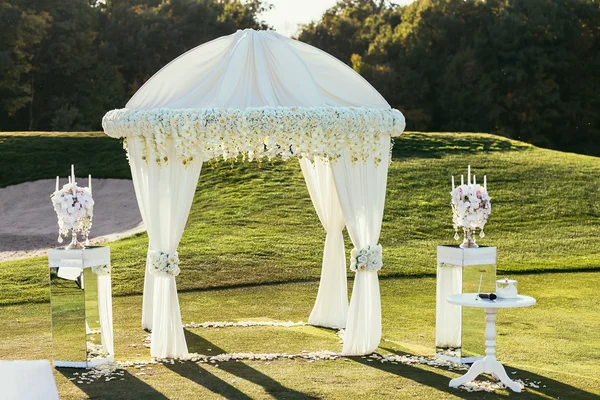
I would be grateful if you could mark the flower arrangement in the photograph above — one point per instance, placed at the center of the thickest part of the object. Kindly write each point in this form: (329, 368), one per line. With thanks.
(471, 208)
(257, 132)
(366, 259)
(164, 263)
(74, 208)
(101, 269)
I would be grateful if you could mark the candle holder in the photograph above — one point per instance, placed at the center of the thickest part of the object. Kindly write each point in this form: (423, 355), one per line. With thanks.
(74, 208)
(471, 207)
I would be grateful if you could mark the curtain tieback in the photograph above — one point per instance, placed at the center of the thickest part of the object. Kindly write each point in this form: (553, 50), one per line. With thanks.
(164, 263)
(366, 259)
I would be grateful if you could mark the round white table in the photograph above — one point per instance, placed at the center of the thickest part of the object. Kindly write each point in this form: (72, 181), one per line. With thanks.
(489, 364)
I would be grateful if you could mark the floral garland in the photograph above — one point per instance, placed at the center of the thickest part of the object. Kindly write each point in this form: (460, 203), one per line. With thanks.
(101, 270)
(74, 208)
(164, 263)
(255, 133)
(366, 259)
(471, 208)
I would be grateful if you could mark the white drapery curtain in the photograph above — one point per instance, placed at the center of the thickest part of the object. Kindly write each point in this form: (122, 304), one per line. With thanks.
(165, 193)
(361, 191)
(448, 324)
(105, 313)
(331, 307)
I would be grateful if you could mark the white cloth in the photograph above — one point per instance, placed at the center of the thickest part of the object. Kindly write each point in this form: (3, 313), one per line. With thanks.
(165, 193)
(361, 192)
(448, 326)
(250, 69)
(331, 307)
(105, 313)
(254, 69)
(27, 380)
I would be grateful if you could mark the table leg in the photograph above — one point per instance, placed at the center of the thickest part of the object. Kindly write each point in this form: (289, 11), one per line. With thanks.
(489, 364)
(477, 368)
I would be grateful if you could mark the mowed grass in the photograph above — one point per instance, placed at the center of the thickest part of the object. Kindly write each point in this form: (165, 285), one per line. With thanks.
(554, 343)
(252, 250)
(254, 224)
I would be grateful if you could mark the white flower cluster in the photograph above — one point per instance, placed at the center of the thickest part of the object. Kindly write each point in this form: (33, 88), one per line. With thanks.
(243, 324)
(471, 207)
(101, 269)
(254, 133)
(74, 208)
(164, 263)
(367, 259)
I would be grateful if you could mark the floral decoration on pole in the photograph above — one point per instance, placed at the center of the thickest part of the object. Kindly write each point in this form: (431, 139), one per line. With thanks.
(74, 208)
(471, 207)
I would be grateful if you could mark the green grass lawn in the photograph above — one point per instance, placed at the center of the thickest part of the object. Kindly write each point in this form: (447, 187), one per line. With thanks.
(252, 250)
(254, 224)
(554, 342)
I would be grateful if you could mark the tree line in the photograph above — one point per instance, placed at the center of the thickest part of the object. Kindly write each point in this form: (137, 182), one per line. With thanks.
(525, 69)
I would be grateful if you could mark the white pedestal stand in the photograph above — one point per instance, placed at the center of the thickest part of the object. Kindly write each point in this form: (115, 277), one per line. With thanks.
(489, 364)
(451, 260)
(81, 307)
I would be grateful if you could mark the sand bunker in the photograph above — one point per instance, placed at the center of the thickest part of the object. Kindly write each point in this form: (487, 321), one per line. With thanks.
(28, 225)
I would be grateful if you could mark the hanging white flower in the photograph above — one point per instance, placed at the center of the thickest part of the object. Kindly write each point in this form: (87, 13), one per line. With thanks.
(255, 133)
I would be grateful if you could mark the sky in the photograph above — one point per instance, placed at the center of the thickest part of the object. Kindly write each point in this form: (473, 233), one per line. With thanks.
(288, 14)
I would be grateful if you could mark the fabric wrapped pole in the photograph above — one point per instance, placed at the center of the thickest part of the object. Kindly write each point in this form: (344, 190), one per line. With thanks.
(105, 313)
(448, 327)
(361, 192)
(165, 191)
(331, 307)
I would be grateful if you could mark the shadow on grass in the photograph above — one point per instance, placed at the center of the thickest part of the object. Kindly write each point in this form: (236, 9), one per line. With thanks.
(203, 377)
(129, 388)
(553, 389)
(439, 145)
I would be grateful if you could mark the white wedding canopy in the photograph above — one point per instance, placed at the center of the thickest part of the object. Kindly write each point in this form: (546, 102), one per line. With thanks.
(259, 94)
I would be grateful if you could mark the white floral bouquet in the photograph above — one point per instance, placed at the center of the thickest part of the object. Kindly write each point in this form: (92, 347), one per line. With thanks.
(471, 207)
(164, 263)
(366, 259)
(74, 208)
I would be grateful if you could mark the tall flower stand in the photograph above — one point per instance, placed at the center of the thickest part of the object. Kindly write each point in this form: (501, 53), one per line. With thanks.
(459, 271)
(81, 303)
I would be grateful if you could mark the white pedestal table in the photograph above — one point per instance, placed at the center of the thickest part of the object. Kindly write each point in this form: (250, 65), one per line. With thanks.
(489, 364)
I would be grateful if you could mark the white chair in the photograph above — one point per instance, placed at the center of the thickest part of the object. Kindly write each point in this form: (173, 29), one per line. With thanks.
(27, 380)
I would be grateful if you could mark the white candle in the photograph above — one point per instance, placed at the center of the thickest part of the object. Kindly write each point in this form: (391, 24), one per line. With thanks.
(56, 184)
(73, 173)
(69, 180)
(90, 182)
(462, 179)
(469, 175)
(474, 180)
(485, 182)
(452, 183)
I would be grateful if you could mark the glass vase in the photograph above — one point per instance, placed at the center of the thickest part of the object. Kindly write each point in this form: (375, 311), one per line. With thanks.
(469, 239)
(74, 243)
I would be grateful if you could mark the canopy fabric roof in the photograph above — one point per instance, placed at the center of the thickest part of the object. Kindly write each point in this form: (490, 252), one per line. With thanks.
(255, 69)
(256, 94)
